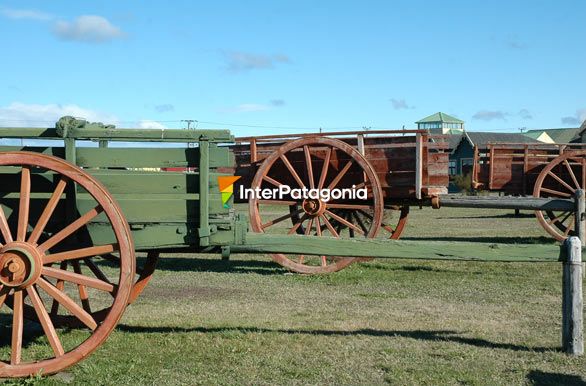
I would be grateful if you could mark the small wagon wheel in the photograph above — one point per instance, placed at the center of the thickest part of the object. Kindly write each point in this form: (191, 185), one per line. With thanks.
(317, 163)
(31, 255)
(560, 179)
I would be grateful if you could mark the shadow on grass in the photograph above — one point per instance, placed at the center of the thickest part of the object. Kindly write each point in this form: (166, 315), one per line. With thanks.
(506, 215)
(32, 331)
(541, 378)
(430, 336)
(490, 239)
(179, 264)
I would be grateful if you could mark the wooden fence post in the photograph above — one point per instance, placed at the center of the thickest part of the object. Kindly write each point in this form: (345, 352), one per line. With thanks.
(572, 303)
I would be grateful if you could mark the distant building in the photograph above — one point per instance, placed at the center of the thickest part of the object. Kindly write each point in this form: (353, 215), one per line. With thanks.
(441, 123)
(561, 135)
(462, 155)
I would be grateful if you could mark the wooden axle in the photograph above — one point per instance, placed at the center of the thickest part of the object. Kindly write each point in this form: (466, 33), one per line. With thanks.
(527, 203)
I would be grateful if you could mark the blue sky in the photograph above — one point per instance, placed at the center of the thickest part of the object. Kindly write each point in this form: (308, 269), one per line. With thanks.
(285, 66)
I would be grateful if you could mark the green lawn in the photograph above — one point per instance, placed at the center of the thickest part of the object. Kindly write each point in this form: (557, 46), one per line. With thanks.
(205, 321)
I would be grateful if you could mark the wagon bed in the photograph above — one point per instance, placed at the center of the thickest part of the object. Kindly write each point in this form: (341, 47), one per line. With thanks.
(410, 164)
(541, 170)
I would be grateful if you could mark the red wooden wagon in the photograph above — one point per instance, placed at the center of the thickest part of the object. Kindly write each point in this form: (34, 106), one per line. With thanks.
(397, 168)
(541, 170)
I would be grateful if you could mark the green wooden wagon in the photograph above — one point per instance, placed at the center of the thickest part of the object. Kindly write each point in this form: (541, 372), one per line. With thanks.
(75, 206)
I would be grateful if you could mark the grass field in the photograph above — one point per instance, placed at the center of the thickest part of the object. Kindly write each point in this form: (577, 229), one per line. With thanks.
(205, 321)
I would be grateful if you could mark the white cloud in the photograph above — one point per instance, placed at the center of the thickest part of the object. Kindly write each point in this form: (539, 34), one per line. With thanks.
(87, 28)
(148, 124)
(23, 14)
(36, 115)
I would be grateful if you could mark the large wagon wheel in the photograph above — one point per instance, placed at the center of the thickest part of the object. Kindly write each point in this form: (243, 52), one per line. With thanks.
(316, 163)
(31, 276)
(560, 179)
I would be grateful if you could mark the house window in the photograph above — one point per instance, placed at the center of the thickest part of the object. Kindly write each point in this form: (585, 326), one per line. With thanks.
(452, 168)
(466, 165)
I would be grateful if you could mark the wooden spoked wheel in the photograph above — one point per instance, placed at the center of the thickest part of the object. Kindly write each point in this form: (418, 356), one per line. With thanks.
(560, 179)
(37, 243)
(317, 163)
(394, 221)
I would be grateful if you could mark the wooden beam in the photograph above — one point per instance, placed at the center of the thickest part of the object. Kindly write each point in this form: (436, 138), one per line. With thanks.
(409, 249)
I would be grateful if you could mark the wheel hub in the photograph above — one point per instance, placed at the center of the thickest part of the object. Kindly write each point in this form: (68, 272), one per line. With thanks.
(313, 207)
(20, 265)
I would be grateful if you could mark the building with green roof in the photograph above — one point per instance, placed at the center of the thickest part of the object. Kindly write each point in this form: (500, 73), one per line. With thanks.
(562, 135)
(441, 123)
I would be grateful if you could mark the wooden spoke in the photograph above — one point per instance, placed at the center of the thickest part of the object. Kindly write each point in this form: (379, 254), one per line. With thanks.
(324, 169)
(48, 211)
(301, 259)
(561, 181)
(81, 253)
(292, 170)
(46, 322)
(308, 228)
(345, 222)
(60, 286)
(348, 216)
(566, 214)
(282, 218)
(71, 228)
(349, 206)
(361, 185)
(569, 227)
(324, 261)
(576, 184)
(4, 228)
(309, 166)
(342, 173)
(360, 222)
(317, 226)
(17, 327)
(24, 205)
(3, 294)
(272, 181)
(78, 278)
(558, 193)
(329, 226)
(296, 226)
(68, 303)
(277, 202)
(96, 270)
(583, 172)
(83, 295)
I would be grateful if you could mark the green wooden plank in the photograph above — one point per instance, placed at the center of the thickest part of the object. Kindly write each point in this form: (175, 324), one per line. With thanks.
(137, 208)
(116, 181)
(29, 132)
(152, 236)
(57, 151)
(147, 135)
(409, 249)
(151, 157)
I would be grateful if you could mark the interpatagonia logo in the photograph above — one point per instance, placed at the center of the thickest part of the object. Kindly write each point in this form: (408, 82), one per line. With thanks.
(226, 185)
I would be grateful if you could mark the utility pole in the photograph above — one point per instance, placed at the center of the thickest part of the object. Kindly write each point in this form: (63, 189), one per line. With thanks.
(189, 122)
